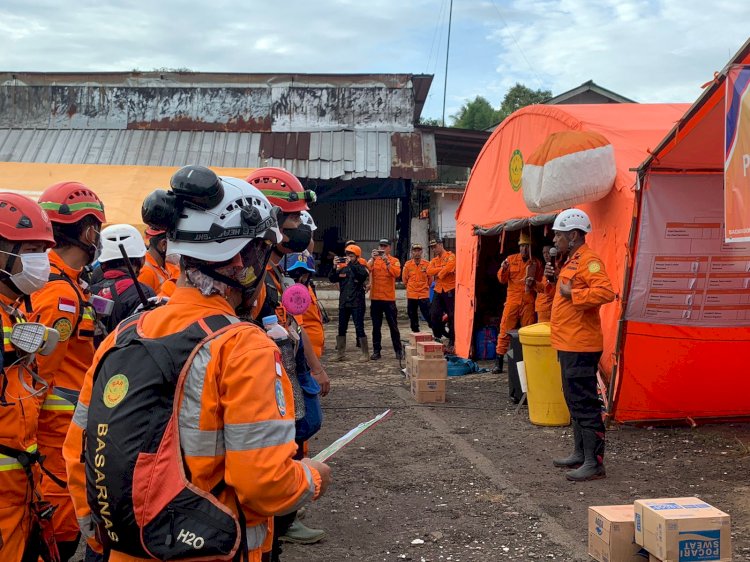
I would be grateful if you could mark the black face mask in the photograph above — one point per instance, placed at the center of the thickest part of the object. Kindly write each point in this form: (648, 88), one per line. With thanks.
(299, 238)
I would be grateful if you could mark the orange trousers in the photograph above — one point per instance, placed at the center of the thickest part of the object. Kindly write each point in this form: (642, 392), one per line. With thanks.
(15, 514)
(514, 313)
(543, 315)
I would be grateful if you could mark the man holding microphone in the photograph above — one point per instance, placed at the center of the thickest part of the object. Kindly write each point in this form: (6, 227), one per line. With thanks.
(580, 289)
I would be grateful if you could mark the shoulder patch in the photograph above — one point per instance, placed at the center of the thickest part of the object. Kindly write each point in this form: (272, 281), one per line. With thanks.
(64, 327)
(280, 400)
(595, 267)
(115, 390)
(66, 305)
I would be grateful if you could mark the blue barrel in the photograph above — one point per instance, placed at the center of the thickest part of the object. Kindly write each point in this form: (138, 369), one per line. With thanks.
(485, 342)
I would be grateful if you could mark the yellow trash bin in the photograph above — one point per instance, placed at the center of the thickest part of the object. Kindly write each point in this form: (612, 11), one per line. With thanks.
(543, 379)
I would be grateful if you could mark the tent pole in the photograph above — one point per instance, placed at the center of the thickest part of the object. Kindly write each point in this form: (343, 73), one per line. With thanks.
(634, 224)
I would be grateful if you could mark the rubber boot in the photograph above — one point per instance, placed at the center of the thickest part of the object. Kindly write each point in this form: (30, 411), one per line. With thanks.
(365, 349)
(576, 458)
(375, 356)
(499, 360)
(593, 452)
(340, 348)
(298, 533)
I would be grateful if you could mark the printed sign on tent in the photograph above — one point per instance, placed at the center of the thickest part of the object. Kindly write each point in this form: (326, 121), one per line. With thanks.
(737, 156)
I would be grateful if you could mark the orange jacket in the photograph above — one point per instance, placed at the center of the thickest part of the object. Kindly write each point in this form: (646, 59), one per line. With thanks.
(416, 279)
(444, 269)
(383, 274)
(167, 288)
(18, 428)
(576, 325)
(239, 414)
(153, 275)
(544, 298)
(312, 321)
(515, 277)
(58, 305)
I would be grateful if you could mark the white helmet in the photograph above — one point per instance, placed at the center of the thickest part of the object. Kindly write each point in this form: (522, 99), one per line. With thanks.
(124, 234)
(308, 220)
(572, 219)
(218, 234)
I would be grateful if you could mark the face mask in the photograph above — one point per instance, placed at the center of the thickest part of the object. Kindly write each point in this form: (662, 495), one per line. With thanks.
(173, 259)
(299, 238)
(35, 272)
(94, 248)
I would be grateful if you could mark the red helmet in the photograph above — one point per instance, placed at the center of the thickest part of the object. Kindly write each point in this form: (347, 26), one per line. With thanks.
(151, 231)
(282, 189)
(23, 220)
(69, 201)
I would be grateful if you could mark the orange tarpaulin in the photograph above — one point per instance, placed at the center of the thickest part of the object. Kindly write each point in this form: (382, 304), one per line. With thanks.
(494, 195)
(121, 188)
(692, 365)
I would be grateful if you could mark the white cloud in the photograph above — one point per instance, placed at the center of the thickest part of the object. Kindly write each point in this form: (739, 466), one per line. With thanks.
(648, 50)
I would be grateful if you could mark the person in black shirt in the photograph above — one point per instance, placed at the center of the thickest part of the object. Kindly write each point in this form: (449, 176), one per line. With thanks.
(352, 276)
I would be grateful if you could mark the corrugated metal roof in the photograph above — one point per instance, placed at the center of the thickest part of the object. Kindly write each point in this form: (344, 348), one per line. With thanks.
(342, 155)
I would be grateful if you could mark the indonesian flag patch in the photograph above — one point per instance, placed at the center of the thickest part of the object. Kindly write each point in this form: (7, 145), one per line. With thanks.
(66, 305)
(277, 357)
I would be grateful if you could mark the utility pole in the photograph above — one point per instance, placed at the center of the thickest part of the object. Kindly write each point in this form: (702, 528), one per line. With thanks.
(447, 52)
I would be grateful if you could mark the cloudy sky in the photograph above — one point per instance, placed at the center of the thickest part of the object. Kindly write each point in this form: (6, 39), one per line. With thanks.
(647, 50)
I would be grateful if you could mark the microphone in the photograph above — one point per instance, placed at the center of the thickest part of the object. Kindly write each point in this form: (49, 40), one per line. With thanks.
(552, 255)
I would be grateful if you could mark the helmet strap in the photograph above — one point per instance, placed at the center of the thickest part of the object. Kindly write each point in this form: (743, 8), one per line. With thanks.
(213, 274)
(5, 272)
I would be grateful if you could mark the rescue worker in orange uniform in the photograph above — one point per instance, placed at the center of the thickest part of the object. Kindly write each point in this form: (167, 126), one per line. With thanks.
(301, 268)
(247, 402)
(520, 272)
(25, 235)
(284, 190)
(157, 270)
(443, 267)
(77, 215)
(543, 303)
(581, 289)
(417, 283)
(384, 270)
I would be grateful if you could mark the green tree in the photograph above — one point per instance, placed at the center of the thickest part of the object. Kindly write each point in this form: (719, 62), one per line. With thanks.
(520, 96)
(430, 122)
(477, 114)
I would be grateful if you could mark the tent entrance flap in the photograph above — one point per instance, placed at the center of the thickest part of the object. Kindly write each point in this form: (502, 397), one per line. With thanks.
(490, 294)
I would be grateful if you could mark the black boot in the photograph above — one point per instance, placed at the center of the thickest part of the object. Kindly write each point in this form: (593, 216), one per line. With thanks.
(593, 452)
(576, 459)
(499, 360)
(375, 355)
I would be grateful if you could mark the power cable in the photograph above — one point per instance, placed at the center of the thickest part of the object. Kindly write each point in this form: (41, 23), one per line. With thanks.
(520, 50)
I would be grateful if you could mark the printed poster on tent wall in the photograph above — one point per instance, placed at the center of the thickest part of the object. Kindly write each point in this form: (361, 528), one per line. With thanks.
(737, 155)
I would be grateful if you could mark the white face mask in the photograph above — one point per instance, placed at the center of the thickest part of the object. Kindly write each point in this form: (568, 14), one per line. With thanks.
(174, 259)
(35, 272)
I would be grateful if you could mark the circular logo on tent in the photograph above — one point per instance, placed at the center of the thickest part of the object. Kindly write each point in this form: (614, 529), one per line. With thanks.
(115, 391)
(64, 328)
(515, 169)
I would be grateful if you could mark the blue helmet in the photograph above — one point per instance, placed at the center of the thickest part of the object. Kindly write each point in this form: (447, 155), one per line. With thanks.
(293, 262)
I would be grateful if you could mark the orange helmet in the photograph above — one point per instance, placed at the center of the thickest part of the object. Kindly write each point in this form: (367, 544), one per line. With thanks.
(354, 249)
(69, 201)
(282, 188)
(23, 220)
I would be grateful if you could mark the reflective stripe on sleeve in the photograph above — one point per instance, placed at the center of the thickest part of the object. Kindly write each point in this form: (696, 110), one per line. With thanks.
(201, 442)
(81, 415)
(57, 403)
(257, 435)
(256, 536)
(11, 463)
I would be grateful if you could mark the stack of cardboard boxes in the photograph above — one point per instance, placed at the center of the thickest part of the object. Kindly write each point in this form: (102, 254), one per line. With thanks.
(426, 368)
(660, 530)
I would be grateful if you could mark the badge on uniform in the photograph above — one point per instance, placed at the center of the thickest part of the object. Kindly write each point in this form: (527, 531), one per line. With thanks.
(66, 305)
(277, 358)
(280, 400)
(64, 327)
(595, 267)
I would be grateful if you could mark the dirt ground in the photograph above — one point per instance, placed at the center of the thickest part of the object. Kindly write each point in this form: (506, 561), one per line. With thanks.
(469, 480)
(474, 481)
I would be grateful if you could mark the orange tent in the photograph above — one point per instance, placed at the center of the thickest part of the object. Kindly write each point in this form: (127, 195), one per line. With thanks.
(494, 199)
(685, 325)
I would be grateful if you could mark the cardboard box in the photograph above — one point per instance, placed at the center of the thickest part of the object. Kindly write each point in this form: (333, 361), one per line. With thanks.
(612, 534)
(652, 558)
(429, 349)
(416, 337)
(427, 391)
(429, 368)
(683, 530)
(410, 350)
(409, 367)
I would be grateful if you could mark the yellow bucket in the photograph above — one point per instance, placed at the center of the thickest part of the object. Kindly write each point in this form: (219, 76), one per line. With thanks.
(543, 379)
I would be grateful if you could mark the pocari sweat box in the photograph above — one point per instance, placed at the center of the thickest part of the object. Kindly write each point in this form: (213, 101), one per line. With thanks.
(683, 530)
